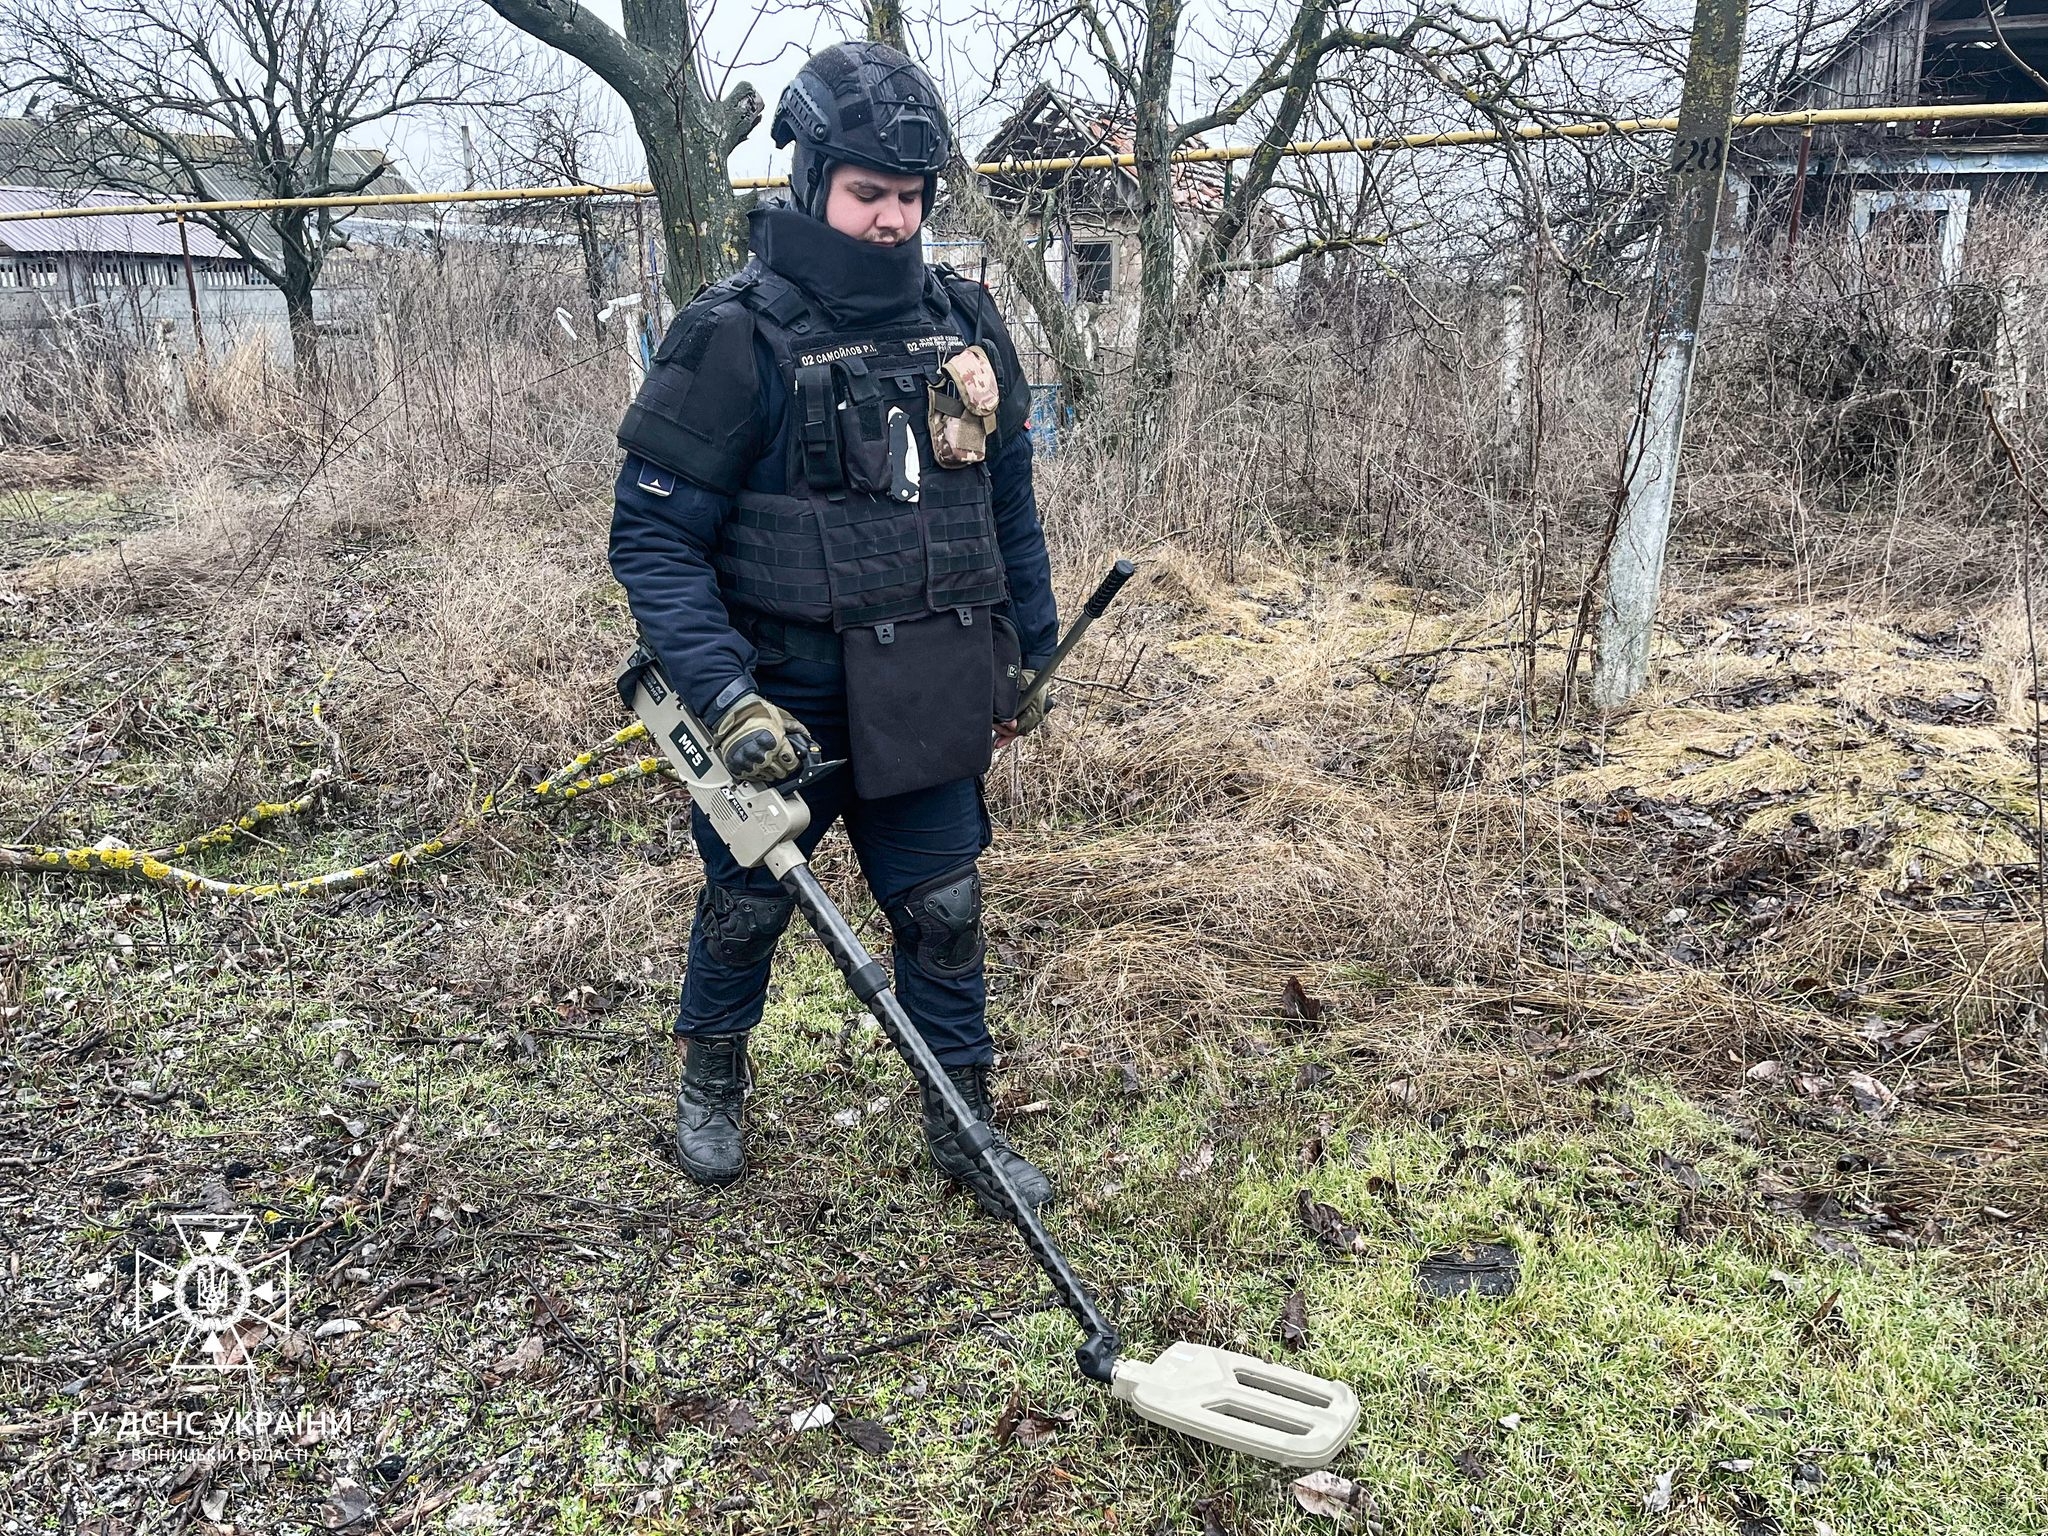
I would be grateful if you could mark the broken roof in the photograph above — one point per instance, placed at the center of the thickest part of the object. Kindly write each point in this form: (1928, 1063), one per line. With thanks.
(1050, 125)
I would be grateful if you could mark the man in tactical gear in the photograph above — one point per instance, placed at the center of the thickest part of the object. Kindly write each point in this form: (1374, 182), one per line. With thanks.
(826, 529)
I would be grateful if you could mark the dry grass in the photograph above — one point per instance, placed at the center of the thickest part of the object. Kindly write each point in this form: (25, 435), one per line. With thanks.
(1308, 745)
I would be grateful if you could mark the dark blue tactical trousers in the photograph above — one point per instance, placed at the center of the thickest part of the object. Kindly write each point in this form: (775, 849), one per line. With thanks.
(902, 842)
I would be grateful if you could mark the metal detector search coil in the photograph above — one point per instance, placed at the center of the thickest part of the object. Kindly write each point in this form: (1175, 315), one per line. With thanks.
(1240, 1401)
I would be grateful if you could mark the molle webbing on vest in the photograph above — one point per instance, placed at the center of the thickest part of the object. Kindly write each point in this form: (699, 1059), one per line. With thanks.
(817, 428)
(770, 559)
(837, 548)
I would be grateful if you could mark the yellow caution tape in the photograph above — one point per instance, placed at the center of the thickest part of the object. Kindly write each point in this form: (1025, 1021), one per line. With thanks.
(152, 863)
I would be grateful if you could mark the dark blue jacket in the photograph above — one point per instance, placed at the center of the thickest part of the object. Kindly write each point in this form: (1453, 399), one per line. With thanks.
(664, 530)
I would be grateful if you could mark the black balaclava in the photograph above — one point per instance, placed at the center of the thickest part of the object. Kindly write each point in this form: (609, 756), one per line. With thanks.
(855, 282)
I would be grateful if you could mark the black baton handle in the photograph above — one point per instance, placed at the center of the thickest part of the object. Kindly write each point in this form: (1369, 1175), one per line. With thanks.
(1112, 584)
(1093, 609)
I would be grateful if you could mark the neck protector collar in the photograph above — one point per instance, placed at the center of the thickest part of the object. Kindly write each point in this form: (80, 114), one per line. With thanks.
(853, 281)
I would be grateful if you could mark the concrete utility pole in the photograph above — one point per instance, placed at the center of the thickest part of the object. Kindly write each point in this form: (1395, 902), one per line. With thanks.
(1699, 159)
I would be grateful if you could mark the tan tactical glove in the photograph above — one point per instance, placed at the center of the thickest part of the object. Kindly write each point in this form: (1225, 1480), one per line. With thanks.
(758, 742)
(1032, 718)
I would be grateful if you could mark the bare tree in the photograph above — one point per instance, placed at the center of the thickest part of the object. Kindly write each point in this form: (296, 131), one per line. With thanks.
(221, 99)
(686, 129)
(564, 136)
(1258, 69)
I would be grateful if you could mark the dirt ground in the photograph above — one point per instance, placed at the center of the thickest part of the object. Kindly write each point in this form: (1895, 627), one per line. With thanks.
(1318, 949)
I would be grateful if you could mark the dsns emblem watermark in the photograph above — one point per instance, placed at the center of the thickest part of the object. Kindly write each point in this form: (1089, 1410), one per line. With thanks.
(226, 1308)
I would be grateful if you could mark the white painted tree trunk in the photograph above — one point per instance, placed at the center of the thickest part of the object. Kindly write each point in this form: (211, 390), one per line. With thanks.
(1699, 161)
(1635, 566)
(2009, 359)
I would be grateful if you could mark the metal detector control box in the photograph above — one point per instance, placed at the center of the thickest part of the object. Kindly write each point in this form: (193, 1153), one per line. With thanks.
(750, 818)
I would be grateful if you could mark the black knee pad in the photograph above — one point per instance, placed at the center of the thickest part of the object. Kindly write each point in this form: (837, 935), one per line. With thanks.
(741, 927)
(942, 920)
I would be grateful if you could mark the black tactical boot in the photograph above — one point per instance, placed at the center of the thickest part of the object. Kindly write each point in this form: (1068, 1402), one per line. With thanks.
(708, 1135)
(965, 1168)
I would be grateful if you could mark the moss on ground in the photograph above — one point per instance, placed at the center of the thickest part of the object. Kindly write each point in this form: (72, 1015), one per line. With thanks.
(1664, 1321)
(43, 524)
(452, 1097)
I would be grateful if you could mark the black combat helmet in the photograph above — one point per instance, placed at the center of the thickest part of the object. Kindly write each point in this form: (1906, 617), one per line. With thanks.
(865, 103)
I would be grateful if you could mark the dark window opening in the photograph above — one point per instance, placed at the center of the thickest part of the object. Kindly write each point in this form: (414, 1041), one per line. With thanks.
(1091, 271)
(1909, 226)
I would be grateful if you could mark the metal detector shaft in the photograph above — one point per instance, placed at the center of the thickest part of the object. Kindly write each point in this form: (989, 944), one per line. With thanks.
(1097, 604)
(870, 983)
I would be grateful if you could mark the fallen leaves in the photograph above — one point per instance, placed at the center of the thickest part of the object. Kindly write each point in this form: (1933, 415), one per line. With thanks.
(1326, 1224)
(1313, 1150)
(1325, 1494)
(1296, 1006)
(1675, 1169)
(519, 1361)
(1293, 1325)
(238, 1342)
(866, 1435)
(348, 1505)
(735, 1418)
(1027, 1426)
(1872, 1097)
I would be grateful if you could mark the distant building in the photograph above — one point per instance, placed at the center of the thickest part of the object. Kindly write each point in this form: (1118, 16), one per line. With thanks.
(1914, 183)
(129, 270)
(1085, 221)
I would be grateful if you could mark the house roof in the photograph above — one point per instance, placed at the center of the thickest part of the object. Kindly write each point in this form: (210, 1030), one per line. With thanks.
(128, 234)
(1888, 54)
(1049, 125)
(34, 154)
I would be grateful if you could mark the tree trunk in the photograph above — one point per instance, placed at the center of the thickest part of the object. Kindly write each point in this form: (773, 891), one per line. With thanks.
(701, 228)
(1024, 270)
(593, 259)
(885, 24)
(296, 273)
(687, 135)
(1152, 147)
(1235, 216)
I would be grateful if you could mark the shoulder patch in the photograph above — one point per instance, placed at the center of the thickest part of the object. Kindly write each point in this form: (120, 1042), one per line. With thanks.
(656, 481)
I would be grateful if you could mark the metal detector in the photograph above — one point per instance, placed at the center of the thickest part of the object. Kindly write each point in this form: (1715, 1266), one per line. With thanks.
(1228, 1399)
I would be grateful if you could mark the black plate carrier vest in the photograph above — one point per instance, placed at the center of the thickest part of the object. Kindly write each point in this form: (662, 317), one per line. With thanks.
(839, 548)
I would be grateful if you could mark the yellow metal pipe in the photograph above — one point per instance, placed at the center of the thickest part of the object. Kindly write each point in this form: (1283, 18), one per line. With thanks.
(1455, 138)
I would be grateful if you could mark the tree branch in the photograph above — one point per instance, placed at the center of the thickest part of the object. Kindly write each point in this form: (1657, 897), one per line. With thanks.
(634, 72)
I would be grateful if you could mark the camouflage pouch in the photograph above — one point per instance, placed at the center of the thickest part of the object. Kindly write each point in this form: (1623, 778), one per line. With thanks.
(962, 412)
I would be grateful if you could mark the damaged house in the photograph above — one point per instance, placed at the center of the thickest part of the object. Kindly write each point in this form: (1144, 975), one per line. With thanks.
(1084, 221)
(1916, 183)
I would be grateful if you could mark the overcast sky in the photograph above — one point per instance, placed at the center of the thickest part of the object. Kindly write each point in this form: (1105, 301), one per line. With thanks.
(763, 44)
